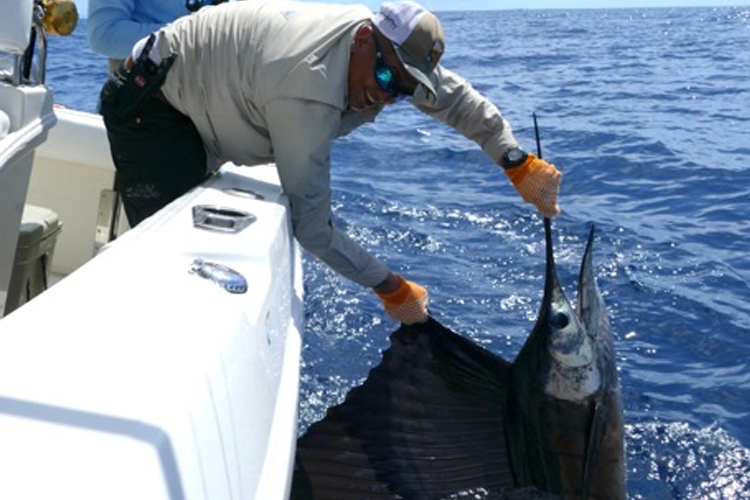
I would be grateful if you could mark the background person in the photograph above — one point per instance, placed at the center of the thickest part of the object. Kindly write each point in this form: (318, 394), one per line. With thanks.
(113, 26)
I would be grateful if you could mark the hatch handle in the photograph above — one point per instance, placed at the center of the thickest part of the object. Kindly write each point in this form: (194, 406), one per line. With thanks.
(221, 219)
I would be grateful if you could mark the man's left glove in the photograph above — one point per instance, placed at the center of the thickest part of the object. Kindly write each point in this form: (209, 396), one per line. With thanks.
(407, 304)
(537, 182)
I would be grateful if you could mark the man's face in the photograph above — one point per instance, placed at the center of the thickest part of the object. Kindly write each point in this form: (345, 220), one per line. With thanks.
(365, 93)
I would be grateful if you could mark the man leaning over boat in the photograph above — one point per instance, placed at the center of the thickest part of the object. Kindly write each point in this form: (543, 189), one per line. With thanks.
(259, 82)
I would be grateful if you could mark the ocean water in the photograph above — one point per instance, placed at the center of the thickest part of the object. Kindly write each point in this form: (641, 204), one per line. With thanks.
(647, 114)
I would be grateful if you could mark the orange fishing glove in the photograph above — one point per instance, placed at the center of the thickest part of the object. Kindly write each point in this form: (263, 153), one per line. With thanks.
(537, 182)
(407, 304)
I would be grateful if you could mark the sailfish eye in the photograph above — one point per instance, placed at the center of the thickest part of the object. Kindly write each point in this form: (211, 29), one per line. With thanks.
(560, 320)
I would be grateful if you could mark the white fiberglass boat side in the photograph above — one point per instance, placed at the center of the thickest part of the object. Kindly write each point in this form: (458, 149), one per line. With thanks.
(141, 376)
(71, 170)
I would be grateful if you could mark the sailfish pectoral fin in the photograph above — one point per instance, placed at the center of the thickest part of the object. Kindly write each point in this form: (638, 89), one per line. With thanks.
(600, 414)
(427, 423)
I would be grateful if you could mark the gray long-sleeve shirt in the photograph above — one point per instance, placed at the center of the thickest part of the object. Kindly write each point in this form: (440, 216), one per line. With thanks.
(267, 82)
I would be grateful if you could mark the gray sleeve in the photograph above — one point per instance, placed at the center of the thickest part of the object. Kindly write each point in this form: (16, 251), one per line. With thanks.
(466, 110)
(301, 133)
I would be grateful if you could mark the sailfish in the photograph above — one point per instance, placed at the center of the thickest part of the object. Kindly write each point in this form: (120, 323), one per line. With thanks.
(443, 418)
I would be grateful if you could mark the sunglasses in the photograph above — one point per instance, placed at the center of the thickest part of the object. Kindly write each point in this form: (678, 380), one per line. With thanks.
(385, 77)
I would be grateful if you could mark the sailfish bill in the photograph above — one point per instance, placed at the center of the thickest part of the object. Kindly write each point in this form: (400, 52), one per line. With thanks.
(441, 417)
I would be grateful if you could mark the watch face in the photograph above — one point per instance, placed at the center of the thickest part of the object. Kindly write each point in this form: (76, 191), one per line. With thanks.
(515, 155)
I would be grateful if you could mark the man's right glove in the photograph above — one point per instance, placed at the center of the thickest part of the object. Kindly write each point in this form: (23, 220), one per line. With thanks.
(407, 304)
(537, 182)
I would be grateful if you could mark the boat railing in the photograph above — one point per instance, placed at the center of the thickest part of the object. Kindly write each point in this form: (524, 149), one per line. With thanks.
(38, 42)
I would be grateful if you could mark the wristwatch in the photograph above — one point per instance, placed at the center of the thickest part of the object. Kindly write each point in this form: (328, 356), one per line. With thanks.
(513, 157)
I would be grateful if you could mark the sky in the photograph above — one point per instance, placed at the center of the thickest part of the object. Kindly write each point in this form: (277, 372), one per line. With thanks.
(443, 5)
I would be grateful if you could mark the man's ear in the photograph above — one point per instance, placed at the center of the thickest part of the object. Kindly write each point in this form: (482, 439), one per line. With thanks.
(363, 37)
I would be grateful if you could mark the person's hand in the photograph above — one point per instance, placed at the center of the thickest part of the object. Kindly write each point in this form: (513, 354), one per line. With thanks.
(404, 301)
(538, 183)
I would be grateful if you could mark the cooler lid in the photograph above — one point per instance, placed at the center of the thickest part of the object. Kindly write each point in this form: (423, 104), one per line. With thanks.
(37, 224)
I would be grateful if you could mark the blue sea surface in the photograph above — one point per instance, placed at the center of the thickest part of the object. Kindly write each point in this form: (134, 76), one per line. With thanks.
(647, 114)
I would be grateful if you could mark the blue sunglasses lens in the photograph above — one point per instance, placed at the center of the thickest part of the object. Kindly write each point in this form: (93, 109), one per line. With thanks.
(385, 78)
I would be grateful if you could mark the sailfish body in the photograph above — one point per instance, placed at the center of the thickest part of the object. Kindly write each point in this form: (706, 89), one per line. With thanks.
(442, 418)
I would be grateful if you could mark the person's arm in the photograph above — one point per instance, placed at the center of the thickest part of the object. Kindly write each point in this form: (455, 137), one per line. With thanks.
(112, 29)
(460, 106)
(301, 133)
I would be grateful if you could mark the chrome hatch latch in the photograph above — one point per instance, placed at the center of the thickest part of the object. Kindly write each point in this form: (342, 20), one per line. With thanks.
(227, 278)
(221, 219)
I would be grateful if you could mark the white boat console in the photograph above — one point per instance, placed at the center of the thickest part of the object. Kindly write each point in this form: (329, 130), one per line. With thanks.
(26, 116)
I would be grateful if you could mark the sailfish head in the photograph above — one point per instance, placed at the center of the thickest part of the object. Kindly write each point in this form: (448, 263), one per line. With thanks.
(571, 372)
(570, 341)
